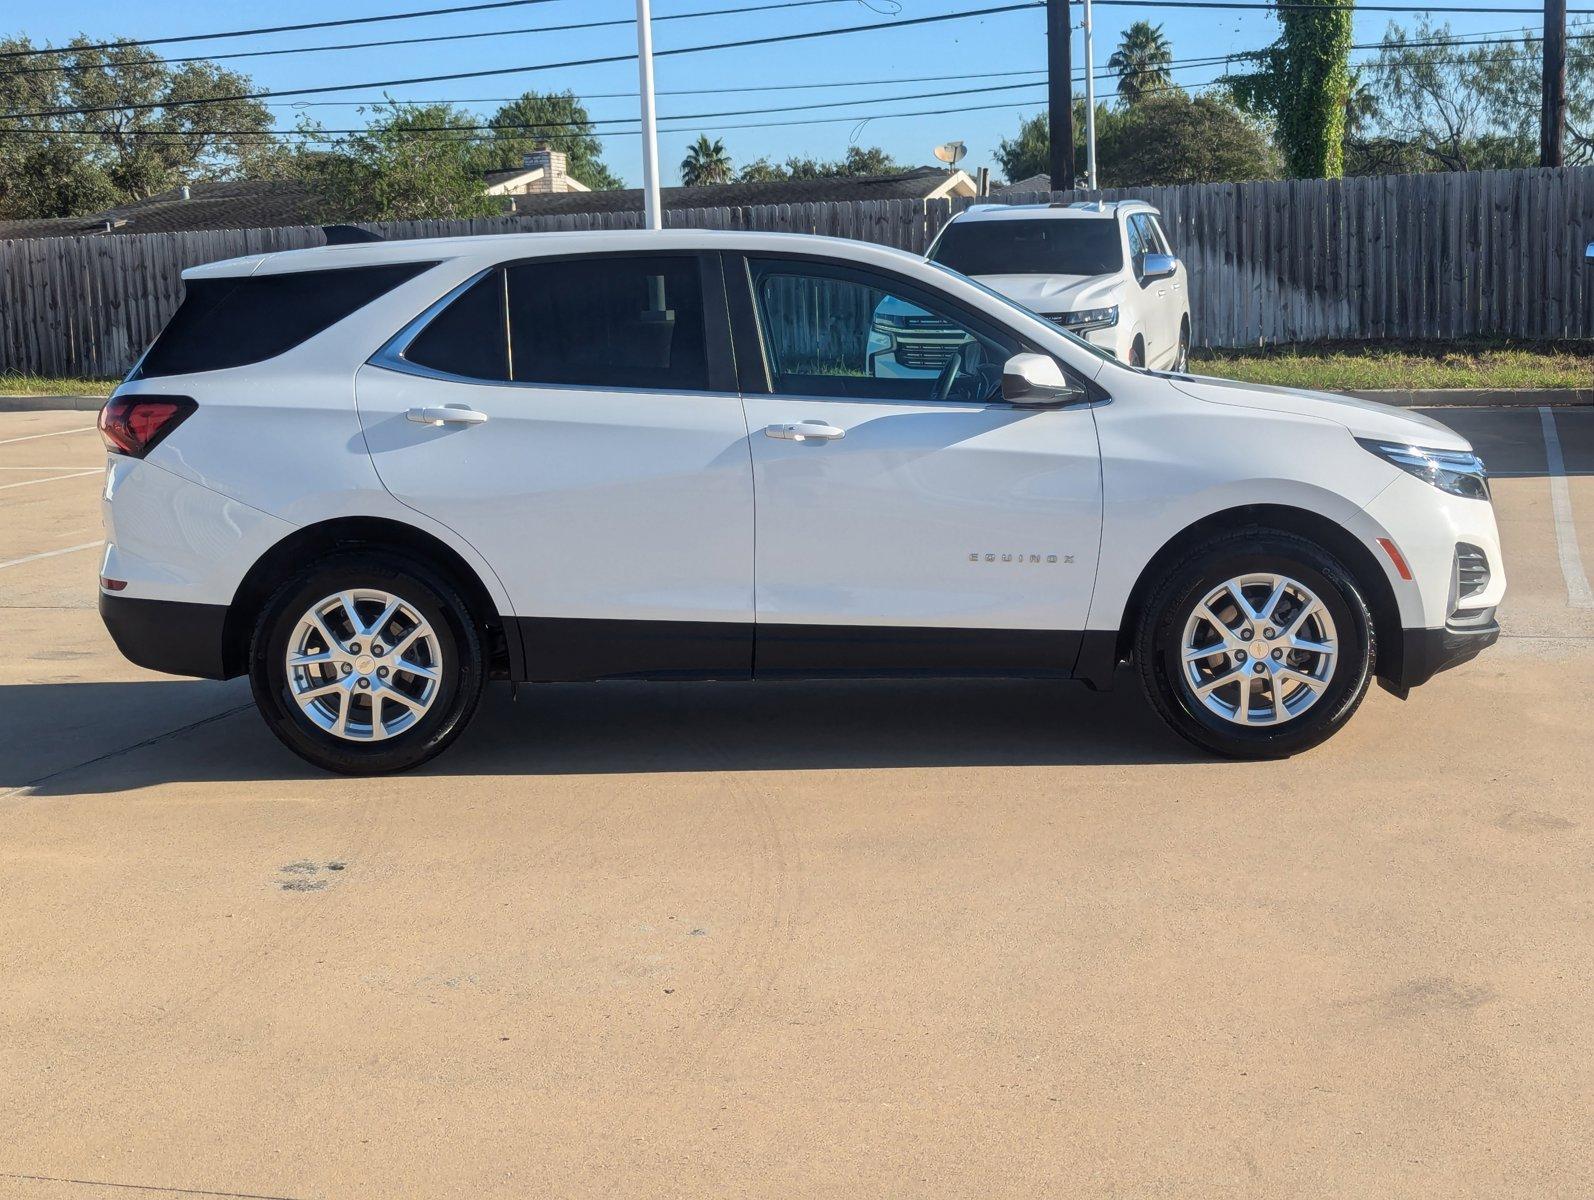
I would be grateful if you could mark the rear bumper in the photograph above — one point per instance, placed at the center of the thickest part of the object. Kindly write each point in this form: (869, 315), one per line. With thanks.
(169, 635)
(1423, 653)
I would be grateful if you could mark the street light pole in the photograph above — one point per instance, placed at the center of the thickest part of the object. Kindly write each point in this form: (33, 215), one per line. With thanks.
(650, 132)
(1090, 106)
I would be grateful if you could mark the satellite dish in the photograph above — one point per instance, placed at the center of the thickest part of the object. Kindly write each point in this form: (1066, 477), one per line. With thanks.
(951, 152)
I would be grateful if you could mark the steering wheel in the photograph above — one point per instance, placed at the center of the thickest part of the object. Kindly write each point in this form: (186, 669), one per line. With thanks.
(948, 375)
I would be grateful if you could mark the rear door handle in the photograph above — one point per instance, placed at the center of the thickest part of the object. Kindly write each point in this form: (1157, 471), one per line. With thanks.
(806, 431)
(448, 414)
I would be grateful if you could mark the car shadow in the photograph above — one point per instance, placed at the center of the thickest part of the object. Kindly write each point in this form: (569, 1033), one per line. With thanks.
(614, 728)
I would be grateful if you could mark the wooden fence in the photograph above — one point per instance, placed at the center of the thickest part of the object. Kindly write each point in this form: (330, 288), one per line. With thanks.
(1398, 256)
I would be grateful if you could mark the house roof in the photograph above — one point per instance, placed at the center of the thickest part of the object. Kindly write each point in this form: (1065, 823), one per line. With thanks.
(922, 183)
(1030, 183)
(241, 204)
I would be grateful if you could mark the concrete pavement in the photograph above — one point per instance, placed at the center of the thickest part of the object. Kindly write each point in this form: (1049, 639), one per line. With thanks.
(918, 939)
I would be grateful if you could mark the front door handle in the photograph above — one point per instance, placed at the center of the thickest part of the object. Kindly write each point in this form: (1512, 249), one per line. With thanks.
(806, 431)
(448, 414)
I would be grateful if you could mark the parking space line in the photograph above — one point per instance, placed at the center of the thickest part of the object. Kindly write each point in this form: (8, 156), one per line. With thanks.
(5, 487)
(27, 558)
(58, 433)
(1578, 593)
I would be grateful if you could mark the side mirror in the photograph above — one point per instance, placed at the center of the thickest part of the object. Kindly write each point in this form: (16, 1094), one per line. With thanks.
(1158, 266)
(1035, 380)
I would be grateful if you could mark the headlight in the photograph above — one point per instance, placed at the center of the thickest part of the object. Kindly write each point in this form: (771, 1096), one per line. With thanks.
(1088, 318)
(1459, 472)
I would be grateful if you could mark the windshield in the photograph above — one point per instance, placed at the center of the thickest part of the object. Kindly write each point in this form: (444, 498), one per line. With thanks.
(1056, 246)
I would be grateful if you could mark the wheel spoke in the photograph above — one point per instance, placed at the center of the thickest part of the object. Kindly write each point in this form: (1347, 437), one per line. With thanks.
(415, 706)
(1310, 647)
(1247, 613)
(1200, 652)
(1243, 712)
(1270, 605)
(324, 689)
(310, 660)
(1311, 681)
(378, 730)
(341, 725)
(377, 626)
(1228, 635)
(1300, 619)
(333, 642)
(414, 668)
(408, 640)
(1238, 675)
(1280, 713)
(347, 600)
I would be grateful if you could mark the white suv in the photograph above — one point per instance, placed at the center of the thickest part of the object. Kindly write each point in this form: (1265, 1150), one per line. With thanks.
(373, 477)
(1103, 270)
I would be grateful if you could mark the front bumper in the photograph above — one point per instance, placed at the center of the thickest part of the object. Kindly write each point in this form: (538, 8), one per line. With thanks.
(1423, 653)
(170, 635)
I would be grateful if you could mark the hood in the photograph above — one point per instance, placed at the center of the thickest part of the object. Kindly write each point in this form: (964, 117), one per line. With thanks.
(1363, 418)
(1047, 294)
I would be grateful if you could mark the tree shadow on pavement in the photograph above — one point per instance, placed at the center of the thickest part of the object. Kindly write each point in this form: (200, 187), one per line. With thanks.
(213, 735)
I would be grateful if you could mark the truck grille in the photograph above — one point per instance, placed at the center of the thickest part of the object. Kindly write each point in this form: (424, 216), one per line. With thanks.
(1472, 570)
(925, 356)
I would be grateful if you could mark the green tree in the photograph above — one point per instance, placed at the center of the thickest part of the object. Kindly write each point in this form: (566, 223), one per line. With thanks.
(1302, 82)
(556, 119)
(705, 162)
(412, 162)
(1029, 151)
(858, 161)
(1141, 61)
(143, 144)
(1175, 138)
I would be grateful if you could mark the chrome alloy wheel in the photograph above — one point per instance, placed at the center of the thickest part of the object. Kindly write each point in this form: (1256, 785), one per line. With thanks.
(364, 665)
(1259, 650)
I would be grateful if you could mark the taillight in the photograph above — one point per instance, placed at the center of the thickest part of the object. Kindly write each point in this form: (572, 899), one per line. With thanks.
(135, 425)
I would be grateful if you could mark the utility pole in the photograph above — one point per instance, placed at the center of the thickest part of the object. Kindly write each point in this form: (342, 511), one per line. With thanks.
(1090, 105)
(1060, 94)
(1552, 114)
(650, 133)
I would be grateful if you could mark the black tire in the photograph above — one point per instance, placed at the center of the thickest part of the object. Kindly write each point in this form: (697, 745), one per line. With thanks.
(1137, 353)
(459, 686)
(1181, 362)
(1159, 638)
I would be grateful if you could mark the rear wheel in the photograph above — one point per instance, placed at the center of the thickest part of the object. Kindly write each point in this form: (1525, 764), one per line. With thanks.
(1137, 353)
(1181, 361)
(366, 664)
(1257, 645)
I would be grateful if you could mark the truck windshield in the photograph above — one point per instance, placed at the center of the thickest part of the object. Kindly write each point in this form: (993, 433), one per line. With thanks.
(1059, 246)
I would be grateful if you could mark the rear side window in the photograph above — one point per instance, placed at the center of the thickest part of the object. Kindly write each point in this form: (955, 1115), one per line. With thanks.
(233, 322)
(470, 337)
(617, 321)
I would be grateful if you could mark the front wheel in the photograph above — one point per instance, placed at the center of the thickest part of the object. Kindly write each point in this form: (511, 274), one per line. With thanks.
(1258, 644)
(366, 664)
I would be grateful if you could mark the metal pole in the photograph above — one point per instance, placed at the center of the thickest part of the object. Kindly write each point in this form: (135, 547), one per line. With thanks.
(1552, 114)
(1090, 106)
(1060, 94)
(650, 132)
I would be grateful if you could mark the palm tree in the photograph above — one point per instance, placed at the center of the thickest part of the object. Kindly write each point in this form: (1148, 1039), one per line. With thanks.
(705, 162)
(1361, 106)
(1141, 61)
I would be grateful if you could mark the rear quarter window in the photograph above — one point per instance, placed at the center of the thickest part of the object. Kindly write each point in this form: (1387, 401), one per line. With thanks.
(236, 321)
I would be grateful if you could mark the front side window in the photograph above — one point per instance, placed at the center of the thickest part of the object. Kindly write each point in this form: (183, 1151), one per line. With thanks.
(1085, 245)
(621, 321)
(835, 332)
(1139, 244)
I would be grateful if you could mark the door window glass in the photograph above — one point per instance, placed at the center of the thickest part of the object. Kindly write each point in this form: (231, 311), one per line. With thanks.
(846, 334)
(1139, 244)
(1159, 239)
(469, 337)
(611, 321)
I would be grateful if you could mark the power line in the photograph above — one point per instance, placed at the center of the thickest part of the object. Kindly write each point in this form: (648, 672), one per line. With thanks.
(429, 39)
(233, 33)
(767, 40)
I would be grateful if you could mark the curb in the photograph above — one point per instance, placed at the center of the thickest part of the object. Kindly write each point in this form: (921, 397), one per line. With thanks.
(1481, 397)
(51, 403)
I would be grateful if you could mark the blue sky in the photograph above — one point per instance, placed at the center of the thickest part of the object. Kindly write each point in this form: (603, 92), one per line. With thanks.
(1007, 42)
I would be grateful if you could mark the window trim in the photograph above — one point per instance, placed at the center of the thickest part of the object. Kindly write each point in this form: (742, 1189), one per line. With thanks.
(752, 355)
(717, 341)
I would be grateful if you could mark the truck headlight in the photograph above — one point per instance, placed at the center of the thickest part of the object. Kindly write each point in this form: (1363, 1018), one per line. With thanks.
(1459, 472)
(1088, 318)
